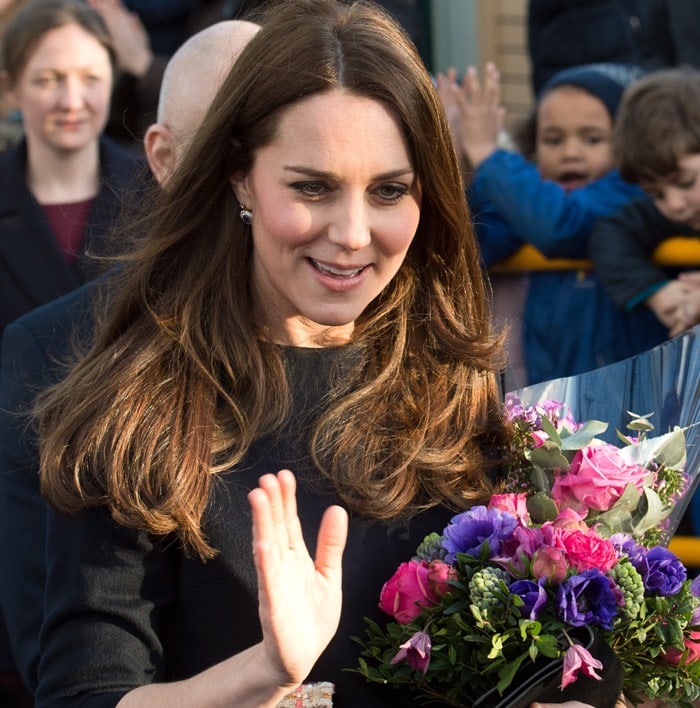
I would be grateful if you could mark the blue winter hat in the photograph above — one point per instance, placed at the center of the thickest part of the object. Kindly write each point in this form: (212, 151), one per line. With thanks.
(605, 81)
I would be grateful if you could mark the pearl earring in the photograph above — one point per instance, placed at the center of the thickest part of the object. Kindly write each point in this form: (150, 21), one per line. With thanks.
(245, 214)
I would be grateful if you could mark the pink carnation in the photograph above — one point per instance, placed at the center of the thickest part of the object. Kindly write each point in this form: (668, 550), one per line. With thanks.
(596, 480)
(586, 550)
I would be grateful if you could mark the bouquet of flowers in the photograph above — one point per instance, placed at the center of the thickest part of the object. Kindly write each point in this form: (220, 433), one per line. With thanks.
(573, 544)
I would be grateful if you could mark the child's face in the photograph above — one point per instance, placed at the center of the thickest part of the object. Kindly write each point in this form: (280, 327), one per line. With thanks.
(677, 196)
(574, 137)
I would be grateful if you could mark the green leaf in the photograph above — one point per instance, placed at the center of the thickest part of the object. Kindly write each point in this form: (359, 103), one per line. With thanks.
(541, 507)
(655, 513)
(507, 673)
(551, 430)
(548, 456)
(640, 423)
(584, 435)
(667, 449)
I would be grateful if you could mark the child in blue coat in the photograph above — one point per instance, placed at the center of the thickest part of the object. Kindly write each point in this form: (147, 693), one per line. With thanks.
(549, 195)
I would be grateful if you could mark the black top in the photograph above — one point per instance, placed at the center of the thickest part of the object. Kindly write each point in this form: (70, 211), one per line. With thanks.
(124, 610)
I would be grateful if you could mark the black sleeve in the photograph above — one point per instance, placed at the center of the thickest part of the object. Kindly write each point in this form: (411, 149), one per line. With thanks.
(22, 509)
(35, 350)
(621, 248)
(108, 592)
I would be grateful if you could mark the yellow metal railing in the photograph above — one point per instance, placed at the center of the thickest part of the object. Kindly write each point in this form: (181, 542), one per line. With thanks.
(676, 251)
(687, 548)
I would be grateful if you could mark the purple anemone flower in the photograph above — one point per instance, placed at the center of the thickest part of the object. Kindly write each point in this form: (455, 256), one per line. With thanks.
(588, 598)
(467, 532)
(662, 572)
(533, 594)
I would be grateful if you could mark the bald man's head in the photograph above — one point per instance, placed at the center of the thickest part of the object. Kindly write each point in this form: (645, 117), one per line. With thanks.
(191, 79)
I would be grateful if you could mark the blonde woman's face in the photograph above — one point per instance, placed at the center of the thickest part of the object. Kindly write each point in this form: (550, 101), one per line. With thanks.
(336, 204)
(574, 137)
(64, 90)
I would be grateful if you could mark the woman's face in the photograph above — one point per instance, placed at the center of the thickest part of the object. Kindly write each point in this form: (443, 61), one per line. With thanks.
(336, 204)
(574, 137)
(64, 89)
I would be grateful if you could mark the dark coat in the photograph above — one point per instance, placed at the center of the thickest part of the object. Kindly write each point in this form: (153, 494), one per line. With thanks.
(33, 270)
(35, 349)
(564, 33)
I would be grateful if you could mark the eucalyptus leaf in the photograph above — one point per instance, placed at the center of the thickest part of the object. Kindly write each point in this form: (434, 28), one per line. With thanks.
(629, 499)
(541, 481)
(584, 435)
(655, 513)
(667, 449)
(640, 423)
(541, 507)
(551, 430)
(615, 520)
(549, 457)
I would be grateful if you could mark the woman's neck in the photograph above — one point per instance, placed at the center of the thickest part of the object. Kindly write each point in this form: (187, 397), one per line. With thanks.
(63, 177)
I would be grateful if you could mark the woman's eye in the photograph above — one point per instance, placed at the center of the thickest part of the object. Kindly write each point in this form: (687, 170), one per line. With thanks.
(44, 80)
(392, 192)
(310, 189)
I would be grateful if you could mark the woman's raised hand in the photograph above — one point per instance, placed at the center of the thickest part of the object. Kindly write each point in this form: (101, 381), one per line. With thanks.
(299, 597)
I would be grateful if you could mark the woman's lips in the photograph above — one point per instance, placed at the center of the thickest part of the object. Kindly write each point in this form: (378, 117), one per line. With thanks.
(338, 277)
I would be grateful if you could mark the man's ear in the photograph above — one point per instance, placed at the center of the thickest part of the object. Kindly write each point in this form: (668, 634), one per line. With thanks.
(161, 152)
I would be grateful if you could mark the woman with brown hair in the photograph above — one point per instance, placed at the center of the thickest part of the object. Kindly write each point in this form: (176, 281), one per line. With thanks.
(63, 184)
(306, 295)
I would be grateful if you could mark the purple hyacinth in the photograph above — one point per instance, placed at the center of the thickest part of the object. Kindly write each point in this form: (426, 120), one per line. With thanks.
(467, 532)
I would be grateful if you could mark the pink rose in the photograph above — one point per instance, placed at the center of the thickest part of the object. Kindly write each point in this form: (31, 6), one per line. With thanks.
(588, 550)
(550, 563)
(674, 656)
(596, 480)
(515, 504)
(570, 519)
(438, 575)
(407, 592)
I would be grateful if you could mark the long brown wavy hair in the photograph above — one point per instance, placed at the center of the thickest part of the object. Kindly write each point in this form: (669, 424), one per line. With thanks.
(179, 382)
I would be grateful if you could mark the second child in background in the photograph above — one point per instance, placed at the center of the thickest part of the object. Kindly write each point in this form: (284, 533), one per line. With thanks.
(549, 194)
(657, 142)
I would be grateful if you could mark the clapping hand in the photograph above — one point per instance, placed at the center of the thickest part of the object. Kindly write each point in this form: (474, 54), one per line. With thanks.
(473, 110)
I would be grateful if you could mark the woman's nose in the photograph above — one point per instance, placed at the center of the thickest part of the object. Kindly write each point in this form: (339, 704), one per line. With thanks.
(71, 96)
(350, 227)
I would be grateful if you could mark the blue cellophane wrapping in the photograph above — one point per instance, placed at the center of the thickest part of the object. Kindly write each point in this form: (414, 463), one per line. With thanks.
(664, 381)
